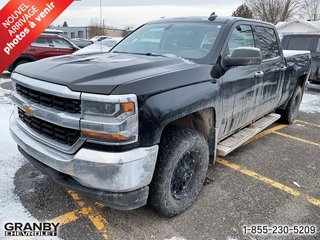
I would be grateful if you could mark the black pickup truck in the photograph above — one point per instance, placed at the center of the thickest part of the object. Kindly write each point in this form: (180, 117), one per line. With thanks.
(142, 123)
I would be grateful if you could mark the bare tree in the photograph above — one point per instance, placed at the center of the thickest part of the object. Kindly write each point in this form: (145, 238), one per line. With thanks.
(95, 28)
(274, 11)
(310, 10)
(128, 28)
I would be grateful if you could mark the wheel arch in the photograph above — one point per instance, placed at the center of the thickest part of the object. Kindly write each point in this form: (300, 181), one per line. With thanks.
(302, 81)
(194, 107)
(23, 57)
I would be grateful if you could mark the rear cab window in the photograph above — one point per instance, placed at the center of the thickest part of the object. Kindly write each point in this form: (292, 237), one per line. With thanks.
(300, 43)
(318, 46)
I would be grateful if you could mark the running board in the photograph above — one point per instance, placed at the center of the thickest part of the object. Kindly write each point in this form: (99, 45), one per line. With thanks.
(237, 139)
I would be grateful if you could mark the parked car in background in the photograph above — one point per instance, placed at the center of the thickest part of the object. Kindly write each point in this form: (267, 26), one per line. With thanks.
(309, 42)
(102, 46)
(81, 42)
(99, 38)
(46, 45)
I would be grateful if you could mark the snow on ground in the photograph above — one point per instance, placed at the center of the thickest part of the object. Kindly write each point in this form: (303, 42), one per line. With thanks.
(176, 238)
(10, 161)
(5, 95)
(310, 103)
(4, 80)
(11, 209)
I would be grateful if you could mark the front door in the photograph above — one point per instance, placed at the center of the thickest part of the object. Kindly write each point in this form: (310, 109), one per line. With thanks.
(240, 85)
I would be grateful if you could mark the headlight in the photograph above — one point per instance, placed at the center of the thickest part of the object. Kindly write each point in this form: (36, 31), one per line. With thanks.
(109, 119)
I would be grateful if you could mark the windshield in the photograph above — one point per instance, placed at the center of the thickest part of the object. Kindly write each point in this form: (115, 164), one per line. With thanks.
(181, 39)
(103, 46)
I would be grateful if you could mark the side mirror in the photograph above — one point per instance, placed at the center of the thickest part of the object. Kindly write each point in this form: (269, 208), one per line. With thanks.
(243, 56)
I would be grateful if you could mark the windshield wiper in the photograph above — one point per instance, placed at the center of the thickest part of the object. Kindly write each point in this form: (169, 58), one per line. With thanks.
(119, 52)
(161, 55)
(150, 54)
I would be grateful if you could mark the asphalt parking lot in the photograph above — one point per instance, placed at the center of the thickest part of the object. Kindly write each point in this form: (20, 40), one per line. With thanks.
(272, 180)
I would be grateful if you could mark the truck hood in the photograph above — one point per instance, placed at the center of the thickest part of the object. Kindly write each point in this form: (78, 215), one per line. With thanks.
(102, 73)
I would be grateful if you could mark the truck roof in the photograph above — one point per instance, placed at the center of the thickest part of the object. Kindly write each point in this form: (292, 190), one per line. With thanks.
(218, 19)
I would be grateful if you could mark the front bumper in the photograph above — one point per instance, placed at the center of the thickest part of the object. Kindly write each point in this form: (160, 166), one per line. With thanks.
(121, 201)
(115, 172)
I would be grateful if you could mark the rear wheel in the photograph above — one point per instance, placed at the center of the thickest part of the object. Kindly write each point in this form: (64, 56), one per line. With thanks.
(291, 112)
(180, 172)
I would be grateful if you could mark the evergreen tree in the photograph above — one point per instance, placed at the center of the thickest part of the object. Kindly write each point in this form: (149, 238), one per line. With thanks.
(243, 11)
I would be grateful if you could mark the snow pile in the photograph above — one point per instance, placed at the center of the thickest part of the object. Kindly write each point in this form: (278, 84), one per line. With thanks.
(5, 95)
(310, 103)
(11, 209)
(4, 80)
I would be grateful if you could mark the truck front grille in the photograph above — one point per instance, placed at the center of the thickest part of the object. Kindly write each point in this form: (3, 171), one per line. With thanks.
(60, 134)
(59, 103)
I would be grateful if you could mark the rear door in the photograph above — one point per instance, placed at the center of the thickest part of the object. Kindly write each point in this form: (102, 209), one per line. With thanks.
(240, 85)
(273, 67)
(41, 48)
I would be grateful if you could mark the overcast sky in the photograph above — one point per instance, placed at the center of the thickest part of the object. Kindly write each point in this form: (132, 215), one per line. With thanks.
(124, 13)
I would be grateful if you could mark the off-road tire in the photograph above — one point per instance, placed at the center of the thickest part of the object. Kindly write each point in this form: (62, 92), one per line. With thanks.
(289, 114)
(178, 145)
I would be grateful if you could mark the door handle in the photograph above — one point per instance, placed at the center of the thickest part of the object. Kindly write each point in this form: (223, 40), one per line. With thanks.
(31, 49)
(259, 74)
(283, 68)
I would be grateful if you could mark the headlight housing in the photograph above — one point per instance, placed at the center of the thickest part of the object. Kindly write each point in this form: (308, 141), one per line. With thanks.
(109, 119)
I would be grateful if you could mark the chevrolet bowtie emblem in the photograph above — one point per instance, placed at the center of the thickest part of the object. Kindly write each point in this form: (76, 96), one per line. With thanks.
(28, 109)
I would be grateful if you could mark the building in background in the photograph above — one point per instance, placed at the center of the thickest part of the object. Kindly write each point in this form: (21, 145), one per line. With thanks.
(298, 26)
(87, 32)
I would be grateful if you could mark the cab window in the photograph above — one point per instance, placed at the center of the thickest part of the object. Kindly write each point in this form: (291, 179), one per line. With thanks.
(41, 42)
(241, 36)
(267, 42)
(318, 46)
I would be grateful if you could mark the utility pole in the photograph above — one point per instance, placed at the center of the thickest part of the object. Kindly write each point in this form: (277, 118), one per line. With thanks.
(101, 25)
(101, 20)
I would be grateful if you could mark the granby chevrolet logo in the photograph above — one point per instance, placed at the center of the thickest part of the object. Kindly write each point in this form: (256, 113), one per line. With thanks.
(28, 109)
(16, 229)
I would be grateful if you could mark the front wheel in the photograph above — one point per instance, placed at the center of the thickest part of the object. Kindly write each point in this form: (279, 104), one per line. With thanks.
(180, 171)
(291, 112)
